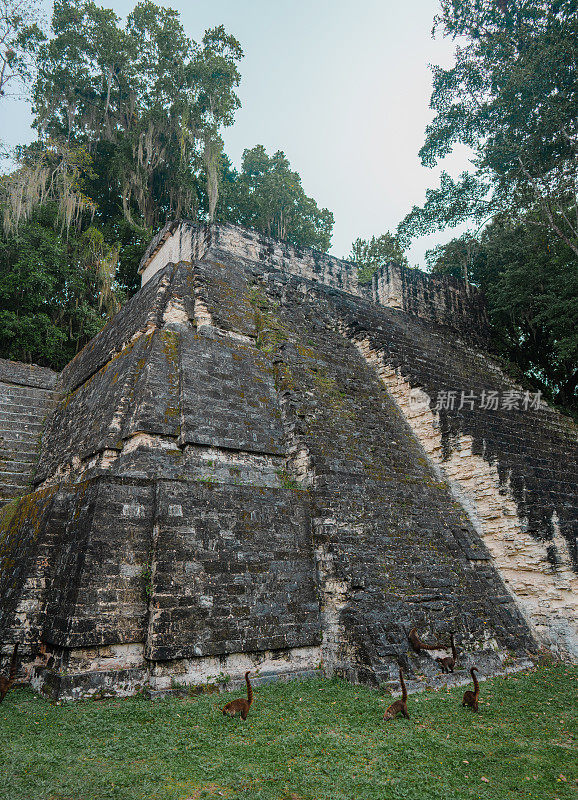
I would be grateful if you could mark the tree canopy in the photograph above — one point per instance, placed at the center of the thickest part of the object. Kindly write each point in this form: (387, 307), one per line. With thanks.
(56, 291)
(267, 194)
(129, 120)
(511, 96)
(145, 100)
(20, 36)
(370, 254)
(530, 280)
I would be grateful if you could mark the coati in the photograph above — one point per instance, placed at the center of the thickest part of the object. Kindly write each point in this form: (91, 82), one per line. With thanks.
(399, 706)
(471, 698)
(6, 683)
(417, 643)
(240, 706)
(448, 662)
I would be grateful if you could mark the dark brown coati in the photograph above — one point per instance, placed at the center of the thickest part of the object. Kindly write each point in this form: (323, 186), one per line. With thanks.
(240, 706)
(6, 683)
(399, 706)
(417, 643)
(448, 662)
(471, 698)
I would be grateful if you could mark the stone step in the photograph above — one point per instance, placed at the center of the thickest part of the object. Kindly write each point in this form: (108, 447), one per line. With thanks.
(23, 410)
(12, 490)
(20, 449)
(11, 467)
(25, 449)
(11, 412)
(16, 421)
(14, 390)
(15, 478)
(35, 401)
(12, 455)
(22, 395)
(38, 409)
(8, 418)
(29, 428)
(16, 433)
(8, 491)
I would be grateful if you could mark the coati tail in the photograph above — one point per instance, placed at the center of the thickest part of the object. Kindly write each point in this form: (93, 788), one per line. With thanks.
(475, 680)
(403, 688)
(13, 664)
(249, 689)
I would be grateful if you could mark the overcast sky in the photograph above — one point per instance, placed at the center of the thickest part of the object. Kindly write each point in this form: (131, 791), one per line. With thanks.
(342, 87)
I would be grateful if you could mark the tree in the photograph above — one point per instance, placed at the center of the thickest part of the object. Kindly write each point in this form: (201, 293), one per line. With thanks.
(457, 257)
(56, 291)
(20, 36)
(370, 254)
(53, 172)
(530, 280)
(267, 195)
(129, 120)
(512, 97)
(144, 100)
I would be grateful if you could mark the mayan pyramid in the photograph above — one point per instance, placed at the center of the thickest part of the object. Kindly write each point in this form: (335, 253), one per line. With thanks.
(260, 464)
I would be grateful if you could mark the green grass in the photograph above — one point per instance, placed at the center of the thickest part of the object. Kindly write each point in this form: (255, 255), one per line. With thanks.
(316, 740)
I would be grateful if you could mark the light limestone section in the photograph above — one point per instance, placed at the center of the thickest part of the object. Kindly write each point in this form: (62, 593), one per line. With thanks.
(150, 441)
(302, 261)
(111, 657)
(122, 670)
(176, 246)
(113, 671)
(150, 325)
(185, 241)
(334, 595)
(302, 464)
(175, 313)
(203, 318)
(228, 670)
(546, 594)
(387, 287)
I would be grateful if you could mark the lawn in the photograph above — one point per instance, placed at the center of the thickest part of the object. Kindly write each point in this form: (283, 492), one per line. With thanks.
(315, 740)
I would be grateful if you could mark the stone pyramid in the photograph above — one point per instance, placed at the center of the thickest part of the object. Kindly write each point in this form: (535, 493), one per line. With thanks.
(246, 469)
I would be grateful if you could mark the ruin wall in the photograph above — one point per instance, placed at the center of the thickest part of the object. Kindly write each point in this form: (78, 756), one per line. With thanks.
(248, 469)
(441, 299)
(27, 394)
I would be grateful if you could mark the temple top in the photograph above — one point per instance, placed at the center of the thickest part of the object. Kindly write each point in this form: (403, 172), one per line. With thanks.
(441, 299)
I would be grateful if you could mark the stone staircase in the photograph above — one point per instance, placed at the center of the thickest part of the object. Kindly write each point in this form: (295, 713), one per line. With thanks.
(27, 394)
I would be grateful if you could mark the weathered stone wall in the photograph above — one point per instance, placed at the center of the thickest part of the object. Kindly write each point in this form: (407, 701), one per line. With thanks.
(392, 549)
(182, 541)
(186, 241)
(232, 572)
(237, 477)
(513, 469)
(442, 299)
(27, 394)
(142, 314)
